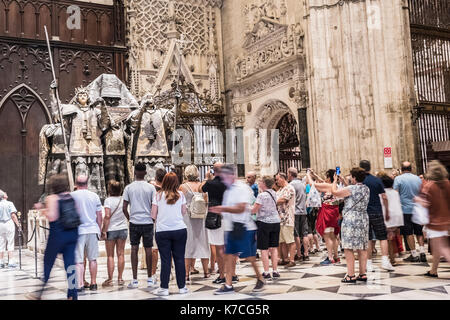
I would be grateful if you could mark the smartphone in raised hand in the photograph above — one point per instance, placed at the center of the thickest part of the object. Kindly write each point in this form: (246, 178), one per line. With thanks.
(338, 171)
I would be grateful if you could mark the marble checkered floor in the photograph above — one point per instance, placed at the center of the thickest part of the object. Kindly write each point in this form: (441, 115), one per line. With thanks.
(306, 281)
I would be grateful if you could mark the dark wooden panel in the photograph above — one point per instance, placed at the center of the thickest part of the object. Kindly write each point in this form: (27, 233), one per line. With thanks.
(2, 18)
(45, 19)
(11, 155)
(92, 37)
(14, 25)
(30, 21)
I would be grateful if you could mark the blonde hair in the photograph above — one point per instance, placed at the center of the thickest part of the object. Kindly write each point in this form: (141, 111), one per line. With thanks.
(436, 171)
(191, 173)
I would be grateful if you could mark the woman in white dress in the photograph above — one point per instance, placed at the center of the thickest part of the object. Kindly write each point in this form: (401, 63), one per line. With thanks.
(197, 246)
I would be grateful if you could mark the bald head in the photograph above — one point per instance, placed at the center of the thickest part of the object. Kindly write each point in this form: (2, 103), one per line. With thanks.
(217, 166)
(81, 182)
(292, 173)
(406, 166)
(251, 177)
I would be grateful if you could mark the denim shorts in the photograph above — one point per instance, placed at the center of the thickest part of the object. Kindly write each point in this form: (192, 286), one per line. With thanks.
(244, 248)
(117, 235)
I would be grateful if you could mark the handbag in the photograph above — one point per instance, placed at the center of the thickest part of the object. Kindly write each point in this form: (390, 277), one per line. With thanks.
(238, 231)
(313, 199)
(213, 221)
(420, 215)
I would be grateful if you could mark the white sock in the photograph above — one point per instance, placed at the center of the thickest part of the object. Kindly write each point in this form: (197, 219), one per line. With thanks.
(135, 281)
(384, 259)
(369, 261)
(275, 271)
(421, 249)
(414, 253)
(229, 287)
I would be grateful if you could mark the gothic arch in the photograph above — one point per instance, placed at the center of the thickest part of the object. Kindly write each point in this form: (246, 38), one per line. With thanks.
(24, 97)
(270, 112)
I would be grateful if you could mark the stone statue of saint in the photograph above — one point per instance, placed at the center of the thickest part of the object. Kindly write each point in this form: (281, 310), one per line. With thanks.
(148, 128)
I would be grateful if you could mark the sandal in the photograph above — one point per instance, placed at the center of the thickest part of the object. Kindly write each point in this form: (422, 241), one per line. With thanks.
(195, 271)
(86, 285)
(432, 275)
(206, 276)
(349, 279)
(107, 283)
(362, 277)
(121, 282)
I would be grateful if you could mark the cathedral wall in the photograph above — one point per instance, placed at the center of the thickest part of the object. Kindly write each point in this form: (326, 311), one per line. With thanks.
(361, 89)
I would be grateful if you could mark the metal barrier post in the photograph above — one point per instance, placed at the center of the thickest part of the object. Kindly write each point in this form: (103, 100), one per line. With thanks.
(35, 246)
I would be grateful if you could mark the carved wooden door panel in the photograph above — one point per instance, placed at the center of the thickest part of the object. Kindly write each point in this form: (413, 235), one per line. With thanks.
(22, 115)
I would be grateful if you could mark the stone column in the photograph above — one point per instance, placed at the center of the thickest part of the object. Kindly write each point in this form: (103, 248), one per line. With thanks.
(361, 82)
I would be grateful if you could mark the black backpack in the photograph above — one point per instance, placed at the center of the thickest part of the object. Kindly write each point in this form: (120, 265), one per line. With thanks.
(68, 214)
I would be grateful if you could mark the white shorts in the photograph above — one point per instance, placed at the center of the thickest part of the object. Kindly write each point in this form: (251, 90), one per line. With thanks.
(7, 233)
(86, 243)
(216, 237)
(435, 234)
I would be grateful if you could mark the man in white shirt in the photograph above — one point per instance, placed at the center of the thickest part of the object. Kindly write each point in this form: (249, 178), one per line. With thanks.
(8, 217)
(240, 229)
(90, 209)
(139, 195)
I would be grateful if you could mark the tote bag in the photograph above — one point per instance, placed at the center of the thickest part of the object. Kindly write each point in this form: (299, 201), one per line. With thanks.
(313, 200)
(420, 215)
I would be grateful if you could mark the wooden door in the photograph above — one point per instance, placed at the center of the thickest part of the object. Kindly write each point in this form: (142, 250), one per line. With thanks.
(22, 115)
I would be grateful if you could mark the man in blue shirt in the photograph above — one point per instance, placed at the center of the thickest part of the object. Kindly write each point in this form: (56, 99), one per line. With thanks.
(377, 228)
(408, 186)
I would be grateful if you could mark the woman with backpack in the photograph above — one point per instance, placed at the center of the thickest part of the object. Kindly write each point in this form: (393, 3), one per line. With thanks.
(64, 220)
(168, 209)
(197, 246)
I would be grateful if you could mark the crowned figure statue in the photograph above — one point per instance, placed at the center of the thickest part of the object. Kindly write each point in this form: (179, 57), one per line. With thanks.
(84, 122)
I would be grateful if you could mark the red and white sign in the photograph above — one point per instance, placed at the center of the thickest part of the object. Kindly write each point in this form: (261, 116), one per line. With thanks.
(387, 153)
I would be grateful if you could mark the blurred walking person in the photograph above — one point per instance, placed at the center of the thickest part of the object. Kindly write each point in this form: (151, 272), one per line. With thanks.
(115, 232)
(268, 222)
(62, 214)
(168, 209)
(240, 229)
(90, 210)
(435, 195)
(8, 220)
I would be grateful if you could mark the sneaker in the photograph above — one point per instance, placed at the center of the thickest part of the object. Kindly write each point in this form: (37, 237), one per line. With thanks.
(224, 290)
(259, 286)
(423, 257)
(151, 282)
(412, 259)
(2, 266)
(184, 290)
(235, 279)
(267, 276)
(305, 258)
(133, 284)
(93, 287)
(12, 265)
(219, 280)
(337, 260)
(386, 265)
(161, 292)
(326, 262)
(275, 275)
(86, 285)
(370, 266)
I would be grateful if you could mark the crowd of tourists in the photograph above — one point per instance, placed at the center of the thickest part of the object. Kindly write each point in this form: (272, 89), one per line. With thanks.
(281, 220)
